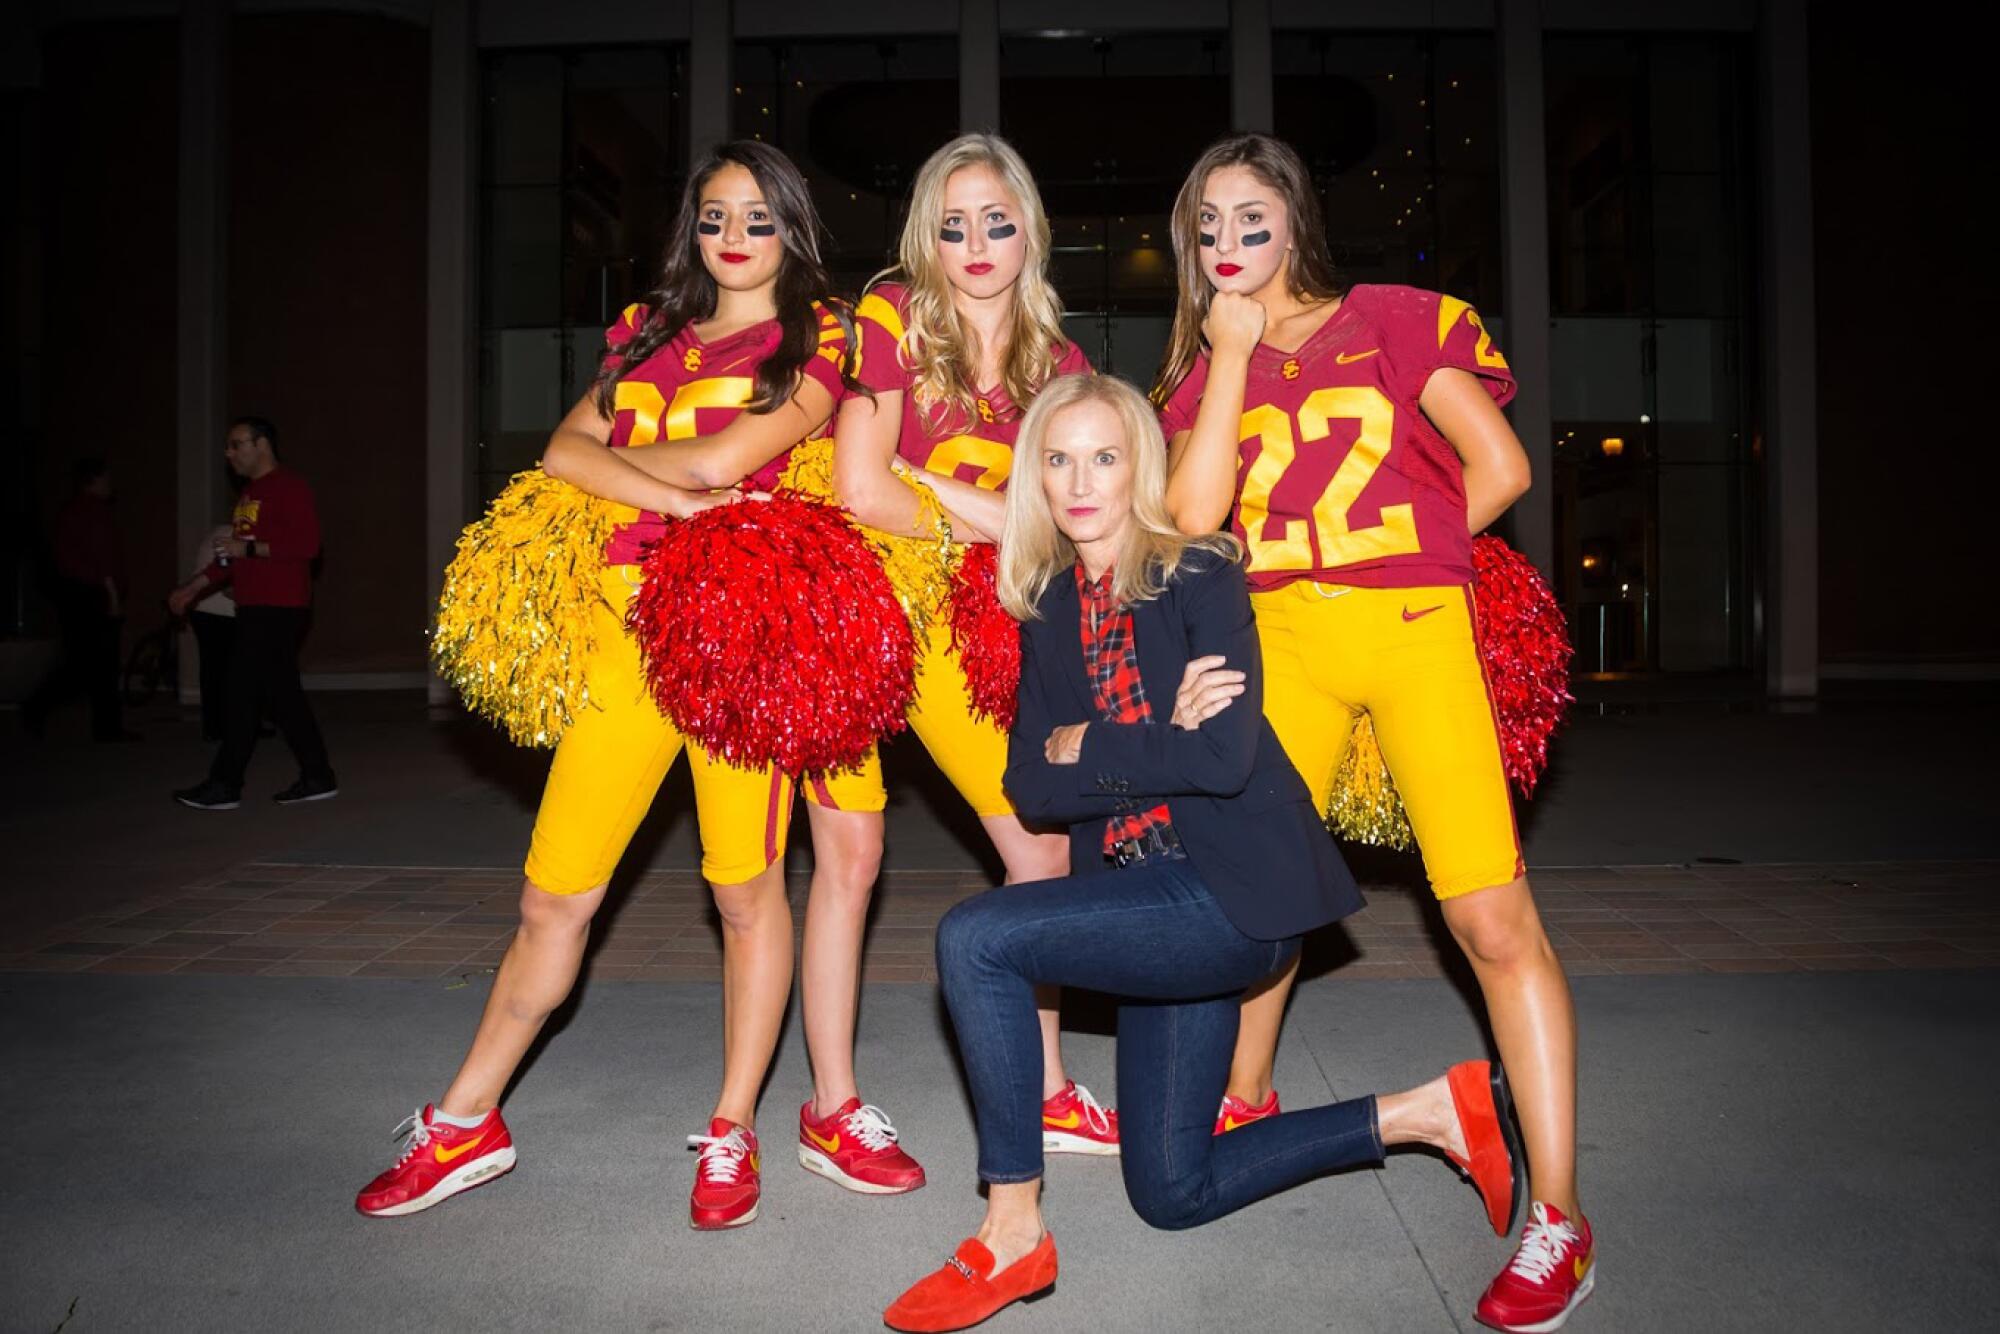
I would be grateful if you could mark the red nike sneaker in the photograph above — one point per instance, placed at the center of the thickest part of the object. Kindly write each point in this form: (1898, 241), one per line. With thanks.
(1236, 1113)
(1549, 1276)
(439, 1161)
(1075, 1122)
(967, 1291)
(856, 1148)
(726, 1180)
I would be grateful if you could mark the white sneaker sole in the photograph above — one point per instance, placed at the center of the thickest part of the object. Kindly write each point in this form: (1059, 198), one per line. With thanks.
(820, 1165)
(208, 805)
(475, 1173)
(750, 1217)
(1555, 1321)
(1059, 1141)
(300, 801)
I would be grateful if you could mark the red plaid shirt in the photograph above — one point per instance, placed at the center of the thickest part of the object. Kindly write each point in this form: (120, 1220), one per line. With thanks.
(1111, 661)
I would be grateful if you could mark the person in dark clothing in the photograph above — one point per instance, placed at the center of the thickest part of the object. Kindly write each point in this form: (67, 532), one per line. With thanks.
(1197, 859)
(89, 595)
(268, 562)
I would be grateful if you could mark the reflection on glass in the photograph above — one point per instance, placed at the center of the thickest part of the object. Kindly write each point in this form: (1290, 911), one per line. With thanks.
(1110, 126)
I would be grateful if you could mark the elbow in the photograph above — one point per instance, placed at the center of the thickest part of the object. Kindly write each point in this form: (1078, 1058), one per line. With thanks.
(556, 462)
(1519, 479)
(1195, 519)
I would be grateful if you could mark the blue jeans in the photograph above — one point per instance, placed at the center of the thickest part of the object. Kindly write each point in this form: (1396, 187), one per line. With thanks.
(1151, 934)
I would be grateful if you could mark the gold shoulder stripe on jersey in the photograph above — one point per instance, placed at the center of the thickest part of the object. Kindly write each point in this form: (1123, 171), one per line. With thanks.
(874, 307)
(1450, 308)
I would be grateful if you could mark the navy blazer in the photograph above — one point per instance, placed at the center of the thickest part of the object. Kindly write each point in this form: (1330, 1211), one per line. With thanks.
(1241, 810)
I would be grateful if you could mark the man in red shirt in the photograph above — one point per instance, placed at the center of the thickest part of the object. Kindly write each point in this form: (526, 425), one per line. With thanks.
(268, 562)
(89, 595)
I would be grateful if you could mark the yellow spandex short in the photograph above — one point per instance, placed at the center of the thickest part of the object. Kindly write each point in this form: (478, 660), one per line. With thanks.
(1407, 656)
(610, 762)
(971, 751)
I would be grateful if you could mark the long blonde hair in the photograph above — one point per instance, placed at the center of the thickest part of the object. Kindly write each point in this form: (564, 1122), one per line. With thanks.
(1034, 551)
(936, 344)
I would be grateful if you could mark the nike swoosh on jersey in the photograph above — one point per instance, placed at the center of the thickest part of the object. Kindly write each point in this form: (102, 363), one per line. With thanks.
(1421, 612)
(1349, 358)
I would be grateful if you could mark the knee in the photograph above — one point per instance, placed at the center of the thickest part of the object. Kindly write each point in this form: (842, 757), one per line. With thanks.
(964, 935)
(1164, 1204)
(1501, 940)
(746, 907)
(544, 913)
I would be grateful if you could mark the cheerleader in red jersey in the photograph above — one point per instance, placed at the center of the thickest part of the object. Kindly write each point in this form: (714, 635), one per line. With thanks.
(955, 342)
(736, 340)
(1354, 441)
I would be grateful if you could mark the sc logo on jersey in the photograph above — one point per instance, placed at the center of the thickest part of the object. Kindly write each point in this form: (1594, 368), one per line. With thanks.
(692, 361)
(1290, 370)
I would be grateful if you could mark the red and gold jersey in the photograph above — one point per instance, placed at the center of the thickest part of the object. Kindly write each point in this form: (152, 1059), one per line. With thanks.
(980, 449)
(1340, 476)
(690, 387)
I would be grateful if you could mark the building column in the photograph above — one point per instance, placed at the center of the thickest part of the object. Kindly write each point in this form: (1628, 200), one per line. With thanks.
(449, 332)
(202, 304)
(1791, 414)
(978, 66)
(1250, 66)
(1525, 267)
(710, 39)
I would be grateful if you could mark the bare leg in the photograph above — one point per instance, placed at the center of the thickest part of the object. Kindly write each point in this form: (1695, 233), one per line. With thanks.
(1028, 857)
(1257, 1037)
(756, 982)
(537, 973)
(1534, 1024)
(847, 858)
(1013, 1224)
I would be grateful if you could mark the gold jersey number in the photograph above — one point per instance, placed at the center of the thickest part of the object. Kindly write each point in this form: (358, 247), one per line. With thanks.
(1287, 544)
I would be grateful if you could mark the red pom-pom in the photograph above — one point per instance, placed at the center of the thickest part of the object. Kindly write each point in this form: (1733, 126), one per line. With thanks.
(986, 639)
(771, 636)
(1524, 644)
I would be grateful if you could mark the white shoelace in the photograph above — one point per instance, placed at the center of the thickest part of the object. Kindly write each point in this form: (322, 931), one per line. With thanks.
(1542, 1247)
(721, 1155)
(1093, 1111)
(870, 1124)
(419, 1134)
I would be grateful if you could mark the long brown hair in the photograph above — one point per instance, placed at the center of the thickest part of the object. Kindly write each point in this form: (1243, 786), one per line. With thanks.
(686, 292)
(1309, 273)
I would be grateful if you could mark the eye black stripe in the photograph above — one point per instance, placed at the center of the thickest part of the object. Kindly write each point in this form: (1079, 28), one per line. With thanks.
(952, 235)
(1002, 232)
(762, 229)
(709, 228)
(1208, 238)
(1256, 238)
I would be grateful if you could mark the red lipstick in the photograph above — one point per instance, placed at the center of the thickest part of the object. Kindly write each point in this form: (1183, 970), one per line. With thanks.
(1080, 511)
(1228, 270)
(979, 270)
(732, 257)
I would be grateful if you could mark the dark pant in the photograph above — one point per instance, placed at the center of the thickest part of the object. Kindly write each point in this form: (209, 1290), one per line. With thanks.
(215, 641)
(1150, 933)
(90, 658)
(264, 681)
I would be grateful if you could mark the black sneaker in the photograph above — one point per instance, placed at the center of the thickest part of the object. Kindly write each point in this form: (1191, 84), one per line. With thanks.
(209, 795)
(308, 789)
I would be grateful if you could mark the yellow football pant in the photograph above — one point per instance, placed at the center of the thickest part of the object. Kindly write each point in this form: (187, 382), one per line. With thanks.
(610, 762)
(1407, 657)
(971, 751)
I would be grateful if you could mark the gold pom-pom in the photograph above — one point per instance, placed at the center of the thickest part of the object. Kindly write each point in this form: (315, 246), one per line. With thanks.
(515, 623)
(1365, 806)
(919, 568)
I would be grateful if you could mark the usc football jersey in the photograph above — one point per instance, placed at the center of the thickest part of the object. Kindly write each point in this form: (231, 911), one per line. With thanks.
(1340, 476)
(980, 449)
(690, 387)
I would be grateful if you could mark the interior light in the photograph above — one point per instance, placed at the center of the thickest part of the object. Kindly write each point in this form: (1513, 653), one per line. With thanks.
(1612, 446)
